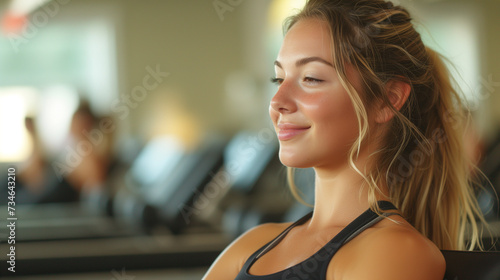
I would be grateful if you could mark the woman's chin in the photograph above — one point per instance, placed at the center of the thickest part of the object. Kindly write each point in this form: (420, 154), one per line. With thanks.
(295, 161)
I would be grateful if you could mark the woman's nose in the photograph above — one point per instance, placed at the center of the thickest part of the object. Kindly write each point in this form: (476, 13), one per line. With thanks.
(283, 101)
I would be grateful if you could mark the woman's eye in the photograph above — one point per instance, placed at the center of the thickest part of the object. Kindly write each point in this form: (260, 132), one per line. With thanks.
(277, 81)
(312, 80)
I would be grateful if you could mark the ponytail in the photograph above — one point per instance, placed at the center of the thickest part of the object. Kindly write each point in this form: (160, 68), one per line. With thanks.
(437, 195)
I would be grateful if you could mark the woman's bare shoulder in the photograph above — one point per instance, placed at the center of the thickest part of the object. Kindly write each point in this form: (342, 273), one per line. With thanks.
(231, 260)
(398, 251)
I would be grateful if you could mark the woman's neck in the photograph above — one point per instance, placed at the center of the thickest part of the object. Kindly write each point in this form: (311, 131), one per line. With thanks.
(340, 196)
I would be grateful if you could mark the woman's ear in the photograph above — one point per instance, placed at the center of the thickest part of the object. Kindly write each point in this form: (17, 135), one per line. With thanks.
(397, 92)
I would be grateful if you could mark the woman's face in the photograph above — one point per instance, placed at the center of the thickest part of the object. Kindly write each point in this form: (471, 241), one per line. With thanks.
(311, 111)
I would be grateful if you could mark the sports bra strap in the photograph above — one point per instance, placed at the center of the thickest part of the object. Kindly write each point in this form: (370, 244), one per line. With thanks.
(324, 255)
(364, 221)
(382, 204)
(282, 235)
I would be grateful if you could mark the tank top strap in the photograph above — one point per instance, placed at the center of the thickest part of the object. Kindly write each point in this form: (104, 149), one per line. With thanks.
(362, 222)
(271, 244)
(317, 265)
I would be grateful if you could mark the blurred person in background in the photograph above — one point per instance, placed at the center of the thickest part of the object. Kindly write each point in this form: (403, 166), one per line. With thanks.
(83, 163)
(36, 180)
(92, 148)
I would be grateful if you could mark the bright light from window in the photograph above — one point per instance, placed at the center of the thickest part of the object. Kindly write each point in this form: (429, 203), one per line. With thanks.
(57, 105)
(454, 36)
(15, 143)
(281, 9)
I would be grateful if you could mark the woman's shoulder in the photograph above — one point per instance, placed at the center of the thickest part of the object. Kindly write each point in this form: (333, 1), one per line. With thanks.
(404, 242)
(397, 251)
(232, 259)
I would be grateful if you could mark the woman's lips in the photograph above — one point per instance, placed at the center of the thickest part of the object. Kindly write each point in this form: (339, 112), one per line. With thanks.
(287, 131)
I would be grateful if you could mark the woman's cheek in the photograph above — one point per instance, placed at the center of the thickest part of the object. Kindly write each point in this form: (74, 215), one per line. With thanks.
(318, 104)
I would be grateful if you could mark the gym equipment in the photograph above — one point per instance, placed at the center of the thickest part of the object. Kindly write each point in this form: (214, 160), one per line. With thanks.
(164, 180)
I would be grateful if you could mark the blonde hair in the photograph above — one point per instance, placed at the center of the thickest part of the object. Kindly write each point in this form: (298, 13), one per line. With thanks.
(422, 162)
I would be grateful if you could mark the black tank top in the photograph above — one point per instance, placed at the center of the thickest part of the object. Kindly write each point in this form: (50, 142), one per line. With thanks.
(315, 266)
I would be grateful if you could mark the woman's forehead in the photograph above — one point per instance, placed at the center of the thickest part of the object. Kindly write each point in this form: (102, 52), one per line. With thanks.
(306, 38)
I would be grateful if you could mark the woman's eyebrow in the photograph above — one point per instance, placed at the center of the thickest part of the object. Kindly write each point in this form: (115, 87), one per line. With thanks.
(306, 60)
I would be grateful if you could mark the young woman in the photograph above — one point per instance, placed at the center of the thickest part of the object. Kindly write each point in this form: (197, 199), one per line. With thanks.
(369, 107)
